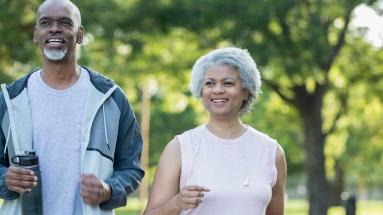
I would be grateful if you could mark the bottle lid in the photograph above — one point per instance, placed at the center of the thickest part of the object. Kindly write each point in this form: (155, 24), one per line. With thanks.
(29, 159)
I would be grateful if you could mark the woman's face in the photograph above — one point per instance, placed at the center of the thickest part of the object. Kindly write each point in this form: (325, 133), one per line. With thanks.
(222, 91)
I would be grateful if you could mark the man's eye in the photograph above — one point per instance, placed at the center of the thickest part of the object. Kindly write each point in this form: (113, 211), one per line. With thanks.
(66, 23)
(44, 23)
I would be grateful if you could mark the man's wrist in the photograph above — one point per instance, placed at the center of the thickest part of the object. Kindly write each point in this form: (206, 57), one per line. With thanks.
(106, 192)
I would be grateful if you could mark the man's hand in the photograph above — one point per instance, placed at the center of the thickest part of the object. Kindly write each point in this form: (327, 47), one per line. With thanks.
(93, 190)
(20, 180)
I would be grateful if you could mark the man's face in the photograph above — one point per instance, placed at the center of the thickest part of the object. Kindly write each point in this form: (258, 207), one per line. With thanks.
(57, 31)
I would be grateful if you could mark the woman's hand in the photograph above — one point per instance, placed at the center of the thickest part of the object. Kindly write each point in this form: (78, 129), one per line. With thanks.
(190, 196)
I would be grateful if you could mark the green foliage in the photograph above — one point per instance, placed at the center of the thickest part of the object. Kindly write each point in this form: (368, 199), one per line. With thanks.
(17, 52)
(175, 123)
(356, 143)
(16, 26)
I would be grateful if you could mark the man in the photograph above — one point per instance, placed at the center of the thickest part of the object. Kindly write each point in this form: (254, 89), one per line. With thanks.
(79, 123)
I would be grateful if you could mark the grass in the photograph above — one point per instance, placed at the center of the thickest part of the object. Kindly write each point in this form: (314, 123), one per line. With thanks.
(293, 207)
(300, 207)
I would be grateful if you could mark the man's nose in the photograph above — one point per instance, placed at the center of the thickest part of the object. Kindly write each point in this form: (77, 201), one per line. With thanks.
(55, 27)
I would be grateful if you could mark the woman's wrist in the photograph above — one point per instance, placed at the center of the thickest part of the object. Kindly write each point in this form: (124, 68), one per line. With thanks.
(175, 207)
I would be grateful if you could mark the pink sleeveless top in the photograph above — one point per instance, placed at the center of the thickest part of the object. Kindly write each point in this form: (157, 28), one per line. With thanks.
(240, 172)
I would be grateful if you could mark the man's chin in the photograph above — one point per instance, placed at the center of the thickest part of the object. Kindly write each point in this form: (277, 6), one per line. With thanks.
(54, 54)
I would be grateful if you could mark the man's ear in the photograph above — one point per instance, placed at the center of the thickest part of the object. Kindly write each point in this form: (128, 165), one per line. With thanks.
(35, 40)
(80, 35)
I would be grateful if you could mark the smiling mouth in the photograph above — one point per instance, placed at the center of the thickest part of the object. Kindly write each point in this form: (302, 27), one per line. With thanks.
(54, 41)
(218, 101)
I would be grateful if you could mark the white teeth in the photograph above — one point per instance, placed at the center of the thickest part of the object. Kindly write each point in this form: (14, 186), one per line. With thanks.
(219, 100)
(54, 41)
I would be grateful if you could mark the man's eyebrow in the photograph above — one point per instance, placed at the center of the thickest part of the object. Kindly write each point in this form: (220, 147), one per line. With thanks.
(66, 19)
(44, 18)
(60, 18)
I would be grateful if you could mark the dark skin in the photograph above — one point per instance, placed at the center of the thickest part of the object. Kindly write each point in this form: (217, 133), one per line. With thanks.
(58, 27)
(20, 180)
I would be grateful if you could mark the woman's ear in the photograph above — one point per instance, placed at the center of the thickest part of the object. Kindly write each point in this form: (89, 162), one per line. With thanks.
(245, 94)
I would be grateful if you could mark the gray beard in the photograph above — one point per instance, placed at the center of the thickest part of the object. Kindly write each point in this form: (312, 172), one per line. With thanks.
(54, 54)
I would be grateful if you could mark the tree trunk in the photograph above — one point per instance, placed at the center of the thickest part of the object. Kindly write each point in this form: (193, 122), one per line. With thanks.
(309, 106)
(337, 186)
(315, 164)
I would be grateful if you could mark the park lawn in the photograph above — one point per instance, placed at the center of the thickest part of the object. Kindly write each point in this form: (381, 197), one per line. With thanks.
(293, 207)
(300, 207)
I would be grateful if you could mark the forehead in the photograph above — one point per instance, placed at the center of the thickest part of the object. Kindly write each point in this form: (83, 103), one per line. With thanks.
(221, 71)
(55, 10)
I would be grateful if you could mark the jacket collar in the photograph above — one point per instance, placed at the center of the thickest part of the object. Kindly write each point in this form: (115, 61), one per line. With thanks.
(100, 82)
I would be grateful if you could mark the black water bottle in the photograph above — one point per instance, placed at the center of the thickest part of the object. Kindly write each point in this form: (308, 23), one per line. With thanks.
(32, 201)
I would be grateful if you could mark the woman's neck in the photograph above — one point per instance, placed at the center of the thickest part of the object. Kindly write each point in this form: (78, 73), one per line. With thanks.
(227, 129)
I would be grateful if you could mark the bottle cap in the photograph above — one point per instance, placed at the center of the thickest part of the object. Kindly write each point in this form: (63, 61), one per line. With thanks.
(28, 159)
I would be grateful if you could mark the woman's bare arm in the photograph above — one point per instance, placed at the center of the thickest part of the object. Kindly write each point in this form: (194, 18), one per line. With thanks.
(276, 205)
(165, 197)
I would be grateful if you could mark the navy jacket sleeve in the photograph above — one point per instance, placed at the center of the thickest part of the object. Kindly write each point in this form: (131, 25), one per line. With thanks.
(127, 173)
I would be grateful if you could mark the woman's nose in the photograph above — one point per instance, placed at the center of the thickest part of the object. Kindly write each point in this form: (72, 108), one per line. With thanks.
(218, 88)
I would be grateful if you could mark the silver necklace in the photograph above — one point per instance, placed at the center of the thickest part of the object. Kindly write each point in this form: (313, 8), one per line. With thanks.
(246, 181)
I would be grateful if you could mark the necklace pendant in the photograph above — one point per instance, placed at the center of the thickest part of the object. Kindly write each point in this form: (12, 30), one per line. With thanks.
(246, 183)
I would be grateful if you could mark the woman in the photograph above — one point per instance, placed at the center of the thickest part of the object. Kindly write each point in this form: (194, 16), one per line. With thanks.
(224, 166)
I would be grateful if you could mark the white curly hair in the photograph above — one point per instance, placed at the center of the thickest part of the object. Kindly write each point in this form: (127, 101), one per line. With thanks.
(240, 60)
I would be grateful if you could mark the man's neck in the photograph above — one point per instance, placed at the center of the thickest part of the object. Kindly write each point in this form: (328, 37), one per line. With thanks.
(60, 76)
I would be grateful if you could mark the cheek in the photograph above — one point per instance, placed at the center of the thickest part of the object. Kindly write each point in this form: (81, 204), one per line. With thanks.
(205, 96)
(204, 92)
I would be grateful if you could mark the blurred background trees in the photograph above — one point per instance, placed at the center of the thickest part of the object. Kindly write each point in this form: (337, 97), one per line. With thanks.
(322, 94)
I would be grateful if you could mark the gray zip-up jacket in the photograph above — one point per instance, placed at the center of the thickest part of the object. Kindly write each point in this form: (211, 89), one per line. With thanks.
(111, 142)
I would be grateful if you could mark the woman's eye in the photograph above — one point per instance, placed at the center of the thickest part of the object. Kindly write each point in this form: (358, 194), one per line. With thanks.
(228, 83)
(209, 83)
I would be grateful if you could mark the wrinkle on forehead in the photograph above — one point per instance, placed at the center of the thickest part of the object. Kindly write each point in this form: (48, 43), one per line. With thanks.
(63, 3)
